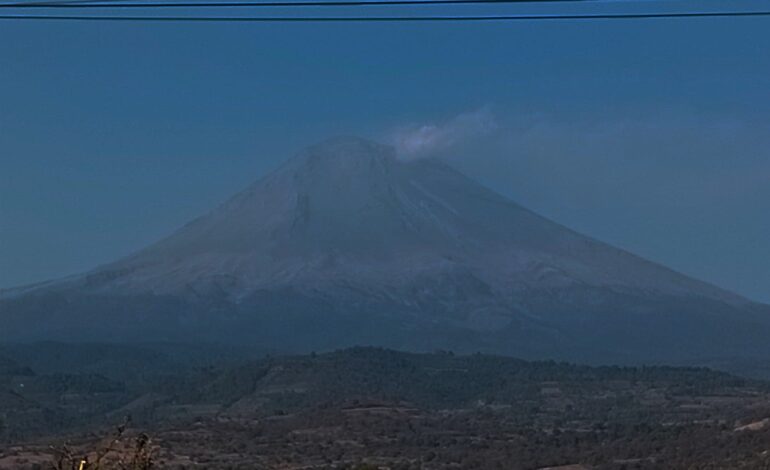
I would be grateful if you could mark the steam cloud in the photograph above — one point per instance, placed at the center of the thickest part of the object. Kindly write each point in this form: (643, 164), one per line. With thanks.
(427, 139)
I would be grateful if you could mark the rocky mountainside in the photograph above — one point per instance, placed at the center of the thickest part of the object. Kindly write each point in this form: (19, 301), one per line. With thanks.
(346, 244)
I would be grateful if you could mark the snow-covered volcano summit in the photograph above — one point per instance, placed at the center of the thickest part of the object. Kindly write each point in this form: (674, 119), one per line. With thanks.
(349, 210)
(346, 244)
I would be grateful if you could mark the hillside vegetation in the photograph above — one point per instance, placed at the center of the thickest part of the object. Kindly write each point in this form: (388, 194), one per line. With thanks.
(388, 408)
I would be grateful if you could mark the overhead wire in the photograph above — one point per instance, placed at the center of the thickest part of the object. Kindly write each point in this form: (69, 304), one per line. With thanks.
(390, 19)
(118, 4)
(82, 5)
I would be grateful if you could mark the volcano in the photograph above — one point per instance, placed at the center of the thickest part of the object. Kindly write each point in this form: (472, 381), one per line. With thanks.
(346, 244)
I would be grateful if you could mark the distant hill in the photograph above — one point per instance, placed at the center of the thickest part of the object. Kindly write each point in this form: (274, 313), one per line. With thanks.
(51, 403)
(347, 244)
(435, 381)
(10, 367)
(398, 410)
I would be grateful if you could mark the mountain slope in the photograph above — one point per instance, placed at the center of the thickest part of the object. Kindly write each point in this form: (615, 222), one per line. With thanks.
(346, 244)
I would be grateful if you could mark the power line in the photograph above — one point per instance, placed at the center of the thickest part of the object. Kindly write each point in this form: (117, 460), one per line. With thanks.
(61, 2)
(52, 3)
(386, 19)
(86, 4)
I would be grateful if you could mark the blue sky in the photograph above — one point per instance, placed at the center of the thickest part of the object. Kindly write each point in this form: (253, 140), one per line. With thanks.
(651, 135)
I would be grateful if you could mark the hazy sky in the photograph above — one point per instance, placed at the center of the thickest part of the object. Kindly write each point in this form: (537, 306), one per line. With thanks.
(651, 135)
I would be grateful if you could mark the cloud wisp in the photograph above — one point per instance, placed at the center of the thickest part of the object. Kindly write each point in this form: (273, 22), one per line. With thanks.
(427, 139)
